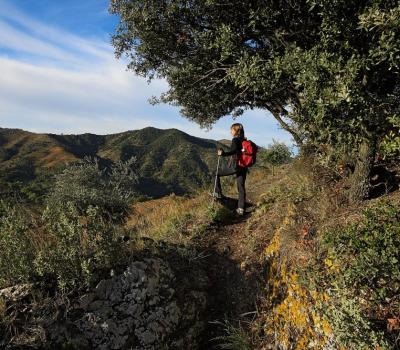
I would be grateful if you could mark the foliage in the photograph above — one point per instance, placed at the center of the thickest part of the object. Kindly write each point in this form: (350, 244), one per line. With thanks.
(277, 153)
(85, 184)
(210, 53)
(334, 63)
(16, 250)
(369, 253)
(362, 271)
(235, 338)
(63, 245)
(390, 146)
(78, 248)
(327, 70)
(78, 235)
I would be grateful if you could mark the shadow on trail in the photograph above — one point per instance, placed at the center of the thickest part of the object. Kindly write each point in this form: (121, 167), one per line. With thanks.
(232, 203)
(233, 295)
(234, 287)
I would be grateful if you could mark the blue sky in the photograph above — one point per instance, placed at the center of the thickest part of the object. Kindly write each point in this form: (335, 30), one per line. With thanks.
(58, 74)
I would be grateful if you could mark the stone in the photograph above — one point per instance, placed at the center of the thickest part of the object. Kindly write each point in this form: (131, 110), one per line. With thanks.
(135, 309)
(86, 299)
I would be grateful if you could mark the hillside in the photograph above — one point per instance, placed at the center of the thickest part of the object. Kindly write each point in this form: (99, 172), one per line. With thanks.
(303, 269)
(167, 160)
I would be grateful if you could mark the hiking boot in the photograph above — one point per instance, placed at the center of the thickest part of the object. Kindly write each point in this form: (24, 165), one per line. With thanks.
(240, 211)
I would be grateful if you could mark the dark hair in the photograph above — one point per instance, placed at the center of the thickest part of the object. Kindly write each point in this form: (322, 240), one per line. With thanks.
(239, 131)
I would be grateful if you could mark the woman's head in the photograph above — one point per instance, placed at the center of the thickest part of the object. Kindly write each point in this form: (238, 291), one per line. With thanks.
(237, 130)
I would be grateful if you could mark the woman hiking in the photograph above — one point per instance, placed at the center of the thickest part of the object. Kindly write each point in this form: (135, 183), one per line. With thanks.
(237, 132)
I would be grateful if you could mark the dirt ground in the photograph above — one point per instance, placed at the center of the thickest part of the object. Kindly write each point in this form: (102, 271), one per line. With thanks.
(237, 277)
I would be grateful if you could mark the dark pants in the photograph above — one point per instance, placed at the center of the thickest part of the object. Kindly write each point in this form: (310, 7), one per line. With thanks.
(240, 181)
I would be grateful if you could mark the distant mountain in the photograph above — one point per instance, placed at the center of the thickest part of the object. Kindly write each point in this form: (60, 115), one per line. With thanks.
(167, 160)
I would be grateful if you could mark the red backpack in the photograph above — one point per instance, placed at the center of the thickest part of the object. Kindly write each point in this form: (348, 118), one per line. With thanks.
(249, 154)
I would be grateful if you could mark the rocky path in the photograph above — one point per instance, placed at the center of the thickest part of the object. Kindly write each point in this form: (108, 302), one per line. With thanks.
(235, 279)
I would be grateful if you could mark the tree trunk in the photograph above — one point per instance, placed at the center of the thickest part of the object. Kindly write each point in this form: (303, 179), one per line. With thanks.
(359, 181)
(286, 127)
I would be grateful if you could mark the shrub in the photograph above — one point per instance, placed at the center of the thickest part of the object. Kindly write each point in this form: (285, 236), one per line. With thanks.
(369, 253)
(276, 154)
(85, 183)
(77, 235)
(16, 250)
(362, 271)
(79, 247)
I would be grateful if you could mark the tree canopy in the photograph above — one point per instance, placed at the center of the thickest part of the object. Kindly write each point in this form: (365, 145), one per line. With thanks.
(327, 70)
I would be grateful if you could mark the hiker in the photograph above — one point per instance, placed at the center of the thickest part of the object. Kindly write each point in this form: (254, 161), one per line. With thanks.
(232, 168)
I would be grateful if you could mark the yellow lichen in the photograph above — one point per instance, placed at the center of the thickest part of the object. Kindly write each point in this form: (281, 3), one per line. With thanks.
(294, 321)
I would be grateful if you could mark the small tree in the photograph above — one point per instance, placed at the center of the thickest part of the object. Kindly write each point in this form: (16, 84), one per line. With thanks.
(85, 184)
(277, 153)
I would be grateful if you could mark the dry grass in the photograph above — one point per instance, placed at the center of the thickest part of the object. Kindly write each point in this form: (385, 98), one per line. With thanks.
(57, 155)
(172, 218)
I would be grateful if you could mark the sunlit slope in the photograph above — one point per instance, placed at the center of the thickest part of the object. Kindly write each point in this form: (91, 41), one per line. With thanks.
(167, 160)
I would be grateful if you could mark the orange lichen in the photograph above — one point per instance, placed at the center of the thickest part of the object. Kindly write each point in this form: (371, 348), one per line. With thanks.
(295, 320)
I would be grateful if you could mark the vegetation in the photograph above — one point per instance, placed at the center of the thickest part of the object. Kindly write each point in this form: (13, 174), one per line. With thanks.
(328, 71)
(234, 338)
(77, 235)
(325, 285)
(277, 153)
(86, 184)
(333, 272)
(175, 219)
(168, 161)
(362, 269)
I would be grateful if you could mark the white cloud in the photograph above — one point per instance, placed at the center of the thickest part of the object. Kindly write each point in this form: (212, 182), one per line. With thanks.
(55, 81)
(51, 39)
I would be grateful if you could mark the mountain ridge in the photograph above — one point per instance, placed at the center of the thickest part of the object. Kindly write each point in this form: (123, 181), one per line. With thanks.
(168, 160)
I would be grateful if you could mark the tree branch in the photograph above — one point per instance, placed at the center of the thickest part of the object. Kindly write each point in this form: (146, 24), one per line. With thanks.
(286, 126)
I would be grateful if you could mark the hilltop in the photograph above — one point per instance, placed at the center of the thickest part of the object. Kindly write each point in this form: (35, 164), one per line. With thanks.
(167, 160)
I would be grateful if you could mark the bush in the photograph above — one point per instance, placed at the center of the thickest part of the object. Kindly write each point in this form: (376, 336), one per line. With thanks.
(369, 253)
(85, 184)
(362, 271)
(78, 234)
(276, 154)
(16, 250)
(79, 247)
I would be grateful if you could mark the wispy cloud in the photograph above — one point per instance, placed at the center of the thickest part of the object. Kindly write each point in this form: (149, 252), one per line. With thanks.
(20, 32)
(53, 80)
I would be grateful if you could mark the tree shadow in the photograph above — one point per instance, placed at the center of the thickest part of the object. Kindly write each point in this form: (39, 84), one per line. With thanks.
(233, 295)
(383, 181)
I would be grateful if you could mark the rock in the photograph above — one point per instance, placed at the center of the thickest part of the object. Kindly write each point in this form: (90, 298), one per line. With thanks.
(136, 309)
(86, 299)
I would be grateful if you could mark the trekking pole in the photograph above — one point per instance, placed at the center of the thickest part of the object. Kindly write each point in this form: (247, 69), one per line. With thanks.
(215, 182)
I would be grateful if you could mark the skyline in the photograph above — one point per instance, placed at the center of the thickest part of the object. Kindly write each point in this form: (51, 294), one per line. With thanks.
(59, 75)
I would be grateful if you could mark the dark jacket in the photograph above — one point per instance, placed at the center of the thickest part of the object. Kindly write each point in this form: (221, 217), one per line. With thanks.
(235, 150)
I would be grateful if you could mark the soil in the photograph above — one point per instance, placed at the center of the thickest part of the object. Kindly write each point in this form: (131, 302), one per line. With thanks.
(235, 279)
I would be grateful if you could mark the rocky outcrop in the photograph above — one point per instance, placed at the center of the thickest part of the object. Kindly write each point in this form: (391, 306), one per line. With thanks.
(145, 307)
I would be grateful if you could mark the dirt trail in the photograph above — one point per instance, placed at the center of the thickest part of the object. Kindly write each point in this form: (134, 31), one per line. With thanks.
(235, 279)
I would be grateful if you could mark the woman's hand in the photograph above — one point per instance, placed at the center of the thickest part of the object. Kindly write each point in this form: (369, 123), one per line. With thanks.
(220, 151)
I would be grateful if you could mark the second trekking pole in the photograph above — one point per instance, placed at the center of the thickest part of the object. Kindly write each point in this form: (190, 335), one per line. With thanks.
(216, 177)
